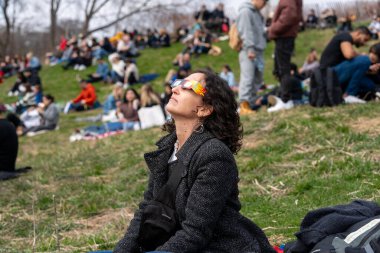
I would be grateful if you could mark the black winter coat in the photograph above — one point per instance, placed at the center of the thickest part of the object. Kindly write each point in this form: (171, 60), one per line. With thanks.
(207, 200)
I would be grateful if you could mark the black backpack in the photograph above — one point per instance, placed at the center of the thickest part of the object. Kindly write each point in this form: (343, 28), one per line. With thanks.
(362, 237)
(325, 89)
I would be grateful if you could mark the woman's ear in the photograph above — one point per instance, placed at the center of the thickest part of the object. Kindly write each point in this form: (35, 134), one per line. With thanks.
(205, 111)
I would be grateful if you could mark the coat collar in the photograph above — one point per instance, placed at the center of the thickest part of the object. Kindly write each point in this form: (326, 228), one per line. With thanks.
(158, 159)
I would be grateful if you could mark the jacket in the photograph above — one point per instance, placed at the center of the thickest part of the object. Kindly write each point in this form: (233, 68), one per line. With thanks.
(250, 24)
(207, 201)
(286, 19)
(50, 116)
(87, 94)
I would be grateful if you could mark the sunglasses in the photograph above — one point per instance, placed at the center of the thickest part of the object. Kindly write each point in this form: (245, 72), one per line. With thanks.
(190, 85)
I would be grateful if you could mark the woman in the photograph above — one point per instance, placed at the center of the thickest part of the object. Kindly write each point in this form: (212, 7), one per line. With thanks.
(229, 77)
(310, 64)
(203, 136)
(49, 114)
(118, 68)
(109, 105)
(148, 97)
(128, 110)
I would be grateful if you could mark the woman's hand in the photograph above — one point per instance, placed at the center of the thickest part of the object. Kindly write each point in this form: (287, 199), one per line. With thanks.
(374, 68)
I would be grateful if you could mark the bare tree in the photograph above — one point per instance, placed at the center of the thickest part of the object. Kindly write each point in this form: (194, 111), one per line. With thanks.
(119, 11)
(91, 9)
(94, 6)
(10, 10)
(4, 42)
(54, 8)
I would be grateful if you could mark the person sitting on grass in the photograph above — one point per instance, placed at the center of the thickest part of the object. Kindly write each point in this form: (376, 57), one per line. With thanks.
(101, 73)
(194, 178)
(131, 73)
(8, 147)
(49, 114)
(352, 75)
(126, 47)
(311, 63)
(16, 88)
(32, 77)
(31, 97)
(118, 68)
(127, 110)
(229, 77)
(164, 39)
(8, 143)
(112, 99)
(148, 97)
(341, 47)
(33, 62)
(85, 100)
(374, 27)
(201, 43)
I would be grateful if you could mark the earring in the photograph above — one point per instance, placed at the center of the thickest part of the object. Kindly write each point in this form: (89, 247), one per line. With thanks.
(200, 129)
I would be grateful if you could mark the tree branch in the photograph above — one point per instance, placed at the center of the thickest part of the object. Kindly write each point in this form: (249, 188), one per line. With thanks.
(140, 9)
(100, 6)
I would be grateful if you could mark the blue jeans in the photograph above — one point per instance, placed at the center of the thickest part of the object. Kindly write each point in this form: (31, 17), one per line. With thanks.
(352, 75)
(116, 78)
(107, 127)
(130, 125)
(99, 53)
(109, 104)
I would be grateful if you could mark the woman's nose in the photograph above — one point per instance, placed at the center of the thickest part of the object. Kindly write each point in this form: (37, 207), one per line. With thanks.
(176, 89)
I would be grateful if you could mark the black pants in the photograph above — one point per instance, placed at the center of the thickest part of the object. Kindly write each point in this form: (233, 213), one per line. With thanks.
(39, 128)
(282, 57)
(94, 79)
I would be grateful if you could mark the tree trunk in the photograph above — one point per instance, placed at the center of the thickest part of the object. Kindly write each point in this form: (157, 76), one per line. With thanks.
(7, 34)
(53, 27)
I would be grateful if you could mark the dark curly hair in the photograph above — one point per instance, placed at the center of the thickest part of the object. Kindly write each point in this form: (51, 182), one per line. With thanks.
(224, 121)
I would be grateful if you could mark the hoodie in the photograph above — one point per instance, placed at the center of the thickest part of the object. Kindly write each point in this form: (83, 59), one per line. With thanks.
(250, 24)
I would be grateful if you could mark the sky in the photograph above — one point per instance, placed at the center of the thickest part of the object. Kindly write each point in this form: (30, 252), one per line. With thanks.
(35, 16)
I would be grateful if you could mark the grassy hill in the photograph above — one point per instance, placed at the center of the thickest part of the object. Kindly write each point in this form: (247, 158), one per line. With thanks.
(80, 196)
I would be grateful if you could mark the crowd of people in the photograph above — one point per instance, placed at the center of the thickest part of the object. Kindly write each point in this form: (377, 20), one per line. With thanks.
(356, 75)
(116, 63)
(198, 109)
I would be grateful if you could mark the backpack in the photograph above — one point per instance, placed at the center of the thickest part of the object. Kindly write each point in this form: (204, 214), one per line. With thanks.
(362, 237)
(235, 41)
(325, 89)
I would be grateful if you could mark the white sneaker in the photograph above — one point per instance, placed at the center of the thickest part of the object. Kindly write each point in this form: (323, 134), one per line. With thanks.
(377, 96)
(10, 94)
(280, 105)
(82, 67)
(76, 67)
(353, 100)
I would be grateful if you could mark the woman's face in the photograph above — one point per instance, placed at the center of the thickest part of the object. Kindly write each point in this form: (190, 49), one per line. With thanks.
(373, 57)
(130, 96)
(45, 101)
(185, 103)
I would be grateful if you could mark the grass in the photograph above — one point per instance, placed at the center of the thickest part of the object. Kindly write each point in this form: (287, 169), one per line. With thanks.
(80, 196)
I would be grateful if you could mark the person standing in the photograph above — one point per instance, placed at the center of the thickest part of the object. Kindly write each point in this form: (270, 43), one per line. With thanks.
(283, 31)
(250, 25)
